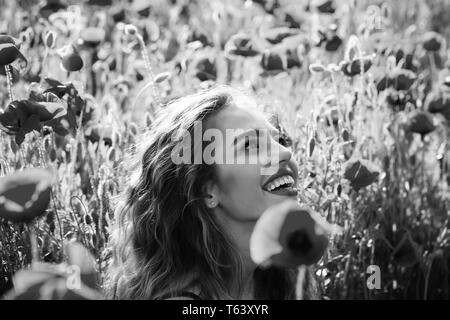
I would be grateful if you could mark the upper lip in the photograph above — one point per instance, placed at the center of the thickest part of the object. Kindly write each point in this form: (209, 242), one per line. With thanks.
(280, 173)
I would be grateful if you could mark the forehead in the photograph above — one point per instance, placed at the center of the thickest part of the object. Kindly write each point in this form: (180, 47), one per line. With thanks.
(239, 115)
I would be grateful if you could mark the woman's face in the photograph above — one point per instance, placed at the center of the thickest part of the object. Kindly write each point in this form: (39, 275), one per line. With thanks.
(244, 191)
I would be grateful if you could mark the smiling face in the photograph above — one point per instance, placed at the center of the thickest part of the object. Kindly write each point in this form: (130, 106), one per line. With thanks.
(244, 191)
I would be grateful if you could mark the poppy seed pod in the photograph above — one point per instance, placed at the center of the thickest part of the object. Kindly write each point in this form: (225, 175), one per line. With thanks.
(288, 235)
(360, 173)
(25, 195)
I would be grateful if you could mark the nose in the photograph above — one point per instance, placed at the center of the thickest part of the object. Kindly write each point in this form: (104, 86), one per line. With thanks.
(277, 156)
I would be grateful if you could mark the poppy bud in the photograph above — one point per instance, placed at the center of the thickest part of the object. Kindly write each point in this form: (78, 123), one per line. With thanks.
(271, 61)
(161, 77)
(50, 39)
(316, 68)
(345, 135)
(339, 190)
(311, 145)
(71, 61)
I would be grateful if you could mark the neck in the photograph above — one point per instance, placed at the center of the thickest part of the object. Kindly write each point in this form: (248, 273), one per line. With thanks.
(240, 233)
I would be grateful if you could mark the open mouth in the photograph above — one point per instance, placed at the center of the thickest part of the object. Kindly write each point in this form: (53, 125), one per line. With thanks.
(281, 185)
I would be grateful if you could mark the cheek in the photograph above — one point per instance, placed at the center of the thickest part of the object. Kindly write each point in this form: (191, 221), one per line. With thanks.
(241, 192)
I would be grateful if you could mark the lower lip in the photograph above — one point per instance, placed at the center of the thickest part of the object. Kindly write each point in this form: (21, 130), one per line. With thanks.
(290, 191)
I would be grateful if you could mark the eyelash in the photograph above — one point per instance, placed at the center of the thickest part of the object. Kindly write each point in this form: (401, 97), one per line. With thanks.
(282, 139)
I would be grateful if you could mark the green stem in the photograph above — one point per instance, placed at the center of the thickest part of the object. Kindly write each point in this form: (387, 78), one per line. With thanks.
(9, 81)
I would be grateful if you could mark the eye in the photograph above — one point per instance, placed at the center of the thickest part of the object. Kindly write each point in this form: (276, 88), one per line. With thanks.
(248, 145)
(284, 139)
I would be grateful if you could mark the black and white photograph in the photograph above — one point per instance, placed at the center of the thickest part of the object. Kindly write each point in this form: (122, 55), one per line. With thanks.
(235, 150)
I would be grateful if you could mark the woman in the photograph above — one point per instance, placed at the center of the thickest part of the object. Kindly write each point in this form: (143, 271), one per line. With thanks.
(184, 228)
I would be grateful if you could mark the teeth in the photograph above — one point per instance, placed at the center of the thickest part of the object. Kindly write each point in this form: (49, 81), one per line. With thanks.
(284, 180)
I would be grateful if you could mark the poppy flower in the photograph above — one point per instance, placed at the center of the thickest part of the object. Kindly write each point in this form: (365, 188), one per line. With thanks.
(439, 102)
(331, 41)
(288, 235)
(272, 62)
(276, 35)
(205, 69)
(432, 41)
(45, 281)
(291, 21)
(14, 73)
(100, 3)
(399, 99)
(356, 66)
(25, 195)
(23, 116)
(360, 173)
(200, 37)
(9, 50)
(141, 7)
(406, 252)
(422, 123)
(50, 7)
(118, 14)
(92, 37)
(241, 44)
(70, 59)
(292, 59)
(399, 79)
(326, 6)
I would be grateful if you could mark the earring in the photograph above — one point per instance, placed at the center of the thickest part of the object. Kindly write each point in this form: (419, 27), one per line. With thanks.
(212, 203)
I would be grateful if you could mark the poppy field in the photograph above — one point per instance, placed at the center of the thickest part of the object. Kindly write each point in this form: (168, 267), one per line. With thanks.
(361, 87)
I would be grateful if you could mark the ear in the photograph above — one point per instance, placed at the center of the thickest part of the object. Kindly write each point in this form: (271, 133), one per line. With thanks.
(211, 194)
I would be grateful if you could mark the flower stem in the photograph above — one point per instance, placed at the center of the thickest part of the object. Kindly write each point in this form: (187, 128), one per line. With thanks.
(148, 66)
(9, 82)
(300, 282)
(33, 243)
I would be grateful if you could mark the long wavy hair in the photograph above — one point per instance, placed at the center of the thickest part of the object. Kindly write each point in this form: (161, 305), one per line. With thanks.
(165, 238)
